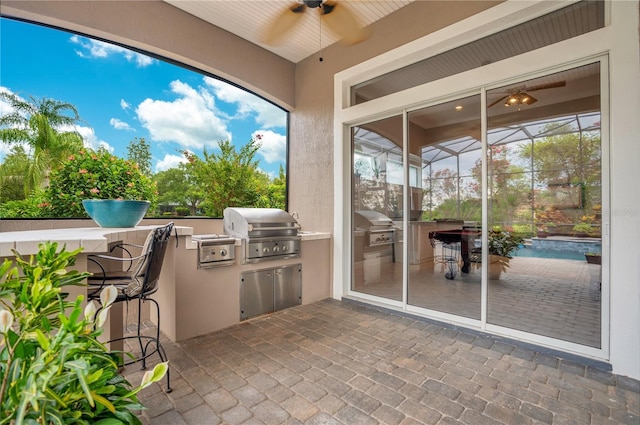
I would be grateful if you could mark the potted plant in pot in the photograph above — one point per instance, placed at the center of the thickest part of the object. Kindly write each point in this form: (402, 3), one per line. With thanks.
(593, 257)
(90, 181)
(502, 246)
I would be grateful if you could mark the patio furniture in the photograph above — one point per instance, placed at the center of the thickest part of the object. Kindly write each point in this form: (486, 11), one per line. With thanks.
(447, 254)
(458, 242)
(138, 282)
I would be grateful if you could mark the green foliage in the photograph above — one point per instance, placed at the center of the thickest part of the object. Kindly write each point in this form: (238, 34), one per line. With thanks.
(53, 370)
(182, 211)
(96, 175)
(503, 243)
(583, 228)
(231, 178)
(139, 152)
(12, 174)
(34, 206)
(180, 186)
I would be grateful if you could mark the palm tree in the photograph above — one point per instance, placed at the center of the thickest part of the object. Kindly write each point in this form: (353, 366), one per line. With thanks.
(41, 124)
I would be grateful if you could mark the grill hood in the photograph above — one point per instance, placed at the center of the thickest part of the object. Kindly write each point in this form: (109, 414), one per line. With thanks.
(371, 220)
(259, 222)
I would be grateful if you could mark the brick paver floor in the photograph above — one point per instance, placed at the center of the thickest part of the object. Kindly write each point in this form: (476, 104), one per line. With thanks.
(337, 362)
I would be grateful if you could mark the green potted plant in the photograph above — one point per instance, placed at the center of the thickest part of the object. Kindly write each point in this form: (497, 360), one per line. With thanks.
(593, 257)
(89, 181)
(53, 369)
(502, 245)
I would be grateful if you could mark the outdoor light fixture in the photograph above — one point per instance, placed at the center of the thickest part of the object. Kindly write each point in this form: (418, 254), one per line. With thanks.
(519, 98)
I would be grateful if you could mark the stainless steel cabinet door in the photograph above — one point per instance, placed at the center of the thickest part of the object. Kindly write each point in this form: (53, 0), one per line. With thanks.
(256, 293)
(287, 286)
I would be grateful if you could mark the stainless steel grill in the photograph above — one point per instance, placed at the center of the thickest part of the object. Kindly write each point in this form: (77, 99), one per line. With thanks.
(266, 233)
(379, 228)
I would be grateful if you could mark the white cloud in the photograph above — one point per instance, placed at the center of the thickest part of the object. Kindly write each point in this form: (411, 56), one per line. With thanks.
(192, 120)
(170, 161)
(273, 145)
(266, 114)
(120, 125)
(91, 140)
(124, 104)
(91, 48)
(5, 108)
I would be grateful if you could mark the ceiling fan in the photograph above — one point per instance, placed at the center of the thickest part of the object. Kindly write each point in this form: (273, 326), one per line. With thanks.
(335, 15)
(521, 96)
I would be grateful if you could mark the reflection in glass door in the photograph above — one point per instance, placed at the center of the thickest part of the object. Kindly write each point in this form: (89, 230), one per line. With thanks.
(377, 191)
(444, 271)
(545, 201)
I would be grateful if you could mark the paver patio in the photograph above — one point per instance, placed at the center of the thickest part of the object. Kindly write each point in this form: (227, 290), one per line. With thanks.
(337, 362)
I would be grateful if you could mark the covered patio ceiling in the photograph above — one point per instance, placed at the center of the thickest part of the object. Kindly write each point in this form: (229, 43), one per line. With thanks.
(248, 19)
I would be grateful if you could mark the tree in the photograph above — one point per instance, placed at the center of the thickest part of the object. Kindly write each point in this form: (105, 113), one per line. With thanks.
(178, 186)
(12, 174)
(229, 178)
(277, 191)
(509, 185)
(41, 124)
(139, 152)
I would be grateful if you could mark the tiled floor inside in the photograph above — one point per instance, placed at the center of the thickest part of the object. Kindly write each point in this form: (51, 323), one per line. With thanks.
(337, 362)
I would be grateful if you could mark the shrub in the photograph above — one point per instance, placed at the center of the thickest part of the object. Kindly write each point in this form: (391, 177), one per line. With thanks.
(96, 175)
(503, 243)
(583, 228)
(53, 370)
(34, 206)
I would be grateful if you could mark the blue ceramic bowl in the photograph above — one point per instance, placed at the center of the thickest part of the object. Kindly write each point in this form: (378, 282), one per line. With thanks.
(116, 212)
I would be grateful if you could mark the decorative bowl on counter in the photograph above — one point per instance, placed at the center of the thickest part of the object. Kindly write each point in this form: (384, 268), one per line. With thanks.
(116, 212)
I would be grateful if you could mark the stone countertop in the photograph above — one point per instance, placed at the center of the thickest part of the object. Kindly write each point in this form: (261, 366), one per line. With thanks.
(92, 239)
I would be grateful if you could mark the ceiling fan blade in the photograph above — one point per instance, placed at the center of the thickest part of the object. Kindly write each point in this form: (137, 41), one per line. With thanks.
(498, 101)
(547, 86)
(282, 24)
(342, 21)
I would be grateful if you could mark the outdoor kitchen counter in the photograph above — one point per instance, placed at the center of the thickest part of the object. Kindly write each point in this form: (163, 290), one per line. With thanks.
(91, 239)
(197, 301)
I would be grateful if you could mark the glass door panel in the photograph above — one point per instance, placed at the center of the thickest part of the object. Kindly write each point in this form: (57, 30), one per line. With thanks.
(544, 197)
(444, 271)
(377, 208)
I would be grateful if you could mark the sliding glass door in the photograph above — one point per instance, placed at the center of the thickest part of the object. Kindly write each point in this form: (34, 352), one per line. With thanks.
(545, 189)
(443, 272)
(377, 212)
(519, 263)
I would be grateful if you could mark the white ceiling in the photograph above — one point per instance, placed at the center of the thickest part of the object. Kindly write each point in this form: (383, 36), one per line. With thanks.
(249, 18)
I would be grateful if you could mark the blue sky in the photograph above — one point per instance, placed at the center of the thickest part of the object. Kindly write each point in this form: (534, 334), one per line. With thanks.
(121, 95)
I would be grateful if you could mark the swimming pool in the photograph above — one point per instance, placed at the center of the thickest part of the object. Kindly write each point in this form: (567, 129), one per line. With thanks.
(549, 253)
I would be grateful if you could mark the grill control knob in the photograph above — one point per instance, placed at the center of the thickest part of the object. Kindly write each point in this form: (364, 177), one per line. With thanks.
(276, 249)
(265, 250)
(223, 252)
(284, 248)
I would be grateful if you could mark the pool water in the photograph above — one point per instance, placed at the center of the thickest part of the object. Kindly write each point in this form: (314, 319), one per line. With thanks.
(549, 253)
